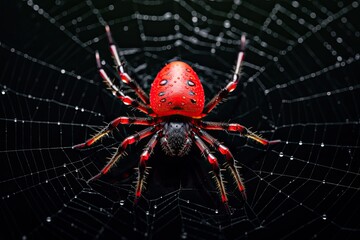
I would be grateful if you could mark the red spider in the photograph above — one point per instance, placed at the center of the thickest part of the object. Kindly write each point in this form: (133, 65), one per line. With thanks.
(175, 109)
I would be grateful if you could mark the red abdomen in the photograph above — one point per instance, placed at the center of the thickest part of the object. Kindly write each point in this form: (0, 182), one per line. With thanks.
(177, 90)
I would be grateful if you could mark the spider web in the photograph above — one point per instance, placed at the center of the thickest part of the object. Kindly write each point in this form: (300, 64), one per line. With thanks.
(300, 84)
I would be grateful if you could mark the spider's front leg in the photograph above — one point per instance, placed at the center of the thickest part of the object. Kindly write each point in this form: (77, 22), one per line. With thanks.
(125, 78)
(235, 127)
(223, 93)
(142, 164)
(215, 166)
(112, 125)
(121, 149)
(228, 156)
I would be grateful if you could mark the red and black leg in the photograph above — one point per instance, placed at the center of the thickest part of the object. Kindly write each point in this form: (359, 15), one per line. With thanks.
(118, 93)
(125, 78)
(228, 156)
(223, 93)
(112, 125)
(215, 166)
(121, 149)
(235, 127)
(142, 164)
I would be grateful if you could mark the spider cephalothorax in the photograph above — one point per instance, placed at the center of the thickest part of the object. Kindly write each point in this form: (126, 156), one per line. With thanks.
(175, 109)
(176, 140)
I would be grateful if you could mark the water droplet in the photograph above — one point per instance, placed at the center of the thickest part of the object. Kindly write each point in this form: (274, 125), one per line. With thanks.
(48, 219)
(147, 212)
(291, 158)
(190, 83)
(193, 101)
(324, 217)
(161, 94)
(192, 93)
(122, 202)
(322, 145)
(163, 82)
(227, 24)
(216, 211)
(163, 100)
(281, 154)
(300, 143)
(155, 206)
(184, 235)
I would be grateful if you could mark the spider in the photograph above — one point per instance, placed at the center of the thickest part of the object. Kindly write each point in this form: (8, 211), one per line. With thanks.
(175, 108)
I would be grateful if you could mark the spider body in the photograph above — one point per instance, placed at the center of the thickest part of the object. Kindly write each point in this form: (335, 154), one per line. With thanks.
(177, 90)
(175, 108)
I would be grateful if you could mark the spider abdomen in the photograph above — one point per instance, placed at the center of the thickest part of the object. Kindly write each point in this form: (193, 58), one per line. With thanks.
(177, 90)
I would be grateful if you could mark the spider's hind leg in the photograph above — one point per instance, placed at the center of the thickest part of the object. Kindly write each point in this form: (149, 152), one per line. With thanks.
(223, 93)
(143, 107)
(125, 78)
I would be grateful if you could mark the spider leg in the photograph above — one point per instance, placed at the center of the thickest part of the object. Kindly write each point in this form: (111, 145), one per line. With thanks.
(125, 78)
(118, 93)
(121, 149)
(112, 125)
(223, 93)
(228, 156)
(142, 164)
(235, 127)
(215, 166)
